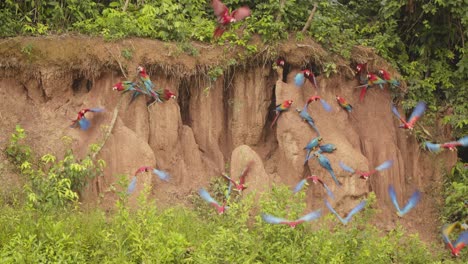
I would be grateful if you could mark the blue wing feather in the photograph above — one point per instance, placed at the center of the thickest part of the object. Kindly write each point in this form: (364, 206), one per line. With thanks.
(412, 202)
(385, 165)
(432, 147)
(132, 185)
(84, 123)
(96, 110)
(395, 112)
(346, 167)
(161, 174)
(391, 192)
(325, 105)
(207, 197)
(334, 212)
(272, 219)
(464, 141)
(329, 148)
(329, 192)
(462, 239)
(300, 185)
(418, 111)
(446, 230)
(355, 210)
(311, 216)
(299, 79)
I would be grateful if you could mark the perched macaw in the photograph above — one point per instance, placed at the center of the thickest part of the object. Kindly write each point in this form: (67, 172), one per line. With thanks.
(315, 179)
(417, 113)
(386, 76)
(375, 80)
(165, 94)
(461, 242)
(324, 103)
(365, 174)
(304, 114)
(281, 108)
(161, 174)
(149, 86)
(311, 145)
(361, 73)
(240, 186)
(412, 202)
(325, 163)
(225, 18)
(355, 210)
(280, 62)
(306, 218)
(207, 197)
(81, 119)
(328, 148)
(462, 142)
(344, 104)
(300, 78)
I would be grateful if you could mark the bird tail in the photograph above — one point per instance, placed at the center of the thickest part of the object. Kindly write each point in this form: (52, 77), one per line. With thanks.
(218, 32)
(299, 79)
(334, 177)
(363, 93)
(274, 120)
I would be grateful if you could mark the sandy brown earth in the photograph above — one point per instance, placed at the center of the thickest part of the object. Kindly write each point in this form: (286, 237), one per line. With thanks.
(215, 124)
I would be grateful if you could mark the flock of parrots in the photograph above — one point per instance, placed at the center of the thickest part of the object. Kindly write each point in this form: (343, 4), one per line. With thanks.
(143, 85)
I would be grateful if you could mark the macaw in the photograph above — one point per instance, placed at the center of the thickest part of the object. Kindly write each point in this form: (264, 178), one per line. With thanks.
(417, 113)
(344, 104)
(307, 118)
(374, 79)
(361, 72)
(207, 197)
(365, 174)
(241, 185)
(355, 210)
(280, 62)
(463, 142)
(311, 145)
(81, 119)
(461, 242)
(300, 78)
(165, 95)
(306, 218)
(281, 108)
(127, 86)
(325, 163)
(328, 148)
(412, 202)
(149, 86)
(386, 76)
(224, 18)
(325, 105)
(315, 179)
(161, 174)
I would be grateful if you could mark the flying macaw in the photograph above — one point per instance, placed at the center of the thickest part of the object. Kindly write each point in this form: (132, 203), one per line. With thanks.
(300, 78)
(241, 185)
(325, 163)
(355, 210)
(224, 18)
(281, 108)
(365, 174)
(304, 114)
(461, 242)
(311, 145)
(361, 73)
(328, 148)
(344, 104)
(81, 119)
(207, 197)
(306, 218)
(417, 113)
(386, 76)
(161, 174)
(412, 202)
(127, 86)
(462, 142)
(325, 105)
(315, 179)
(149, 86)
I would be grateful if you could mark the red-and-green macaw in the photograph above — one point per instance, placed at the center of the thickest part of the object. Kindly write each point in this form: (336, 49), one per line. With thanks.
(344, 104)
(372, 80)
(386, 76)
(462, 142)
(300, 78)
(127, 86)
(281, 108)
(161, 174)
(459, 244)
(361, 73)
(304, 114)
(225, 18)
(365, 174)
(81, 119)
(418, 111)
(325, 163)
(324, 103)
(348, 218)
(165, 95)
(240, 186)
(306, 218)
(315, 179)
(149, 86)
(207, 197)
(412, 201)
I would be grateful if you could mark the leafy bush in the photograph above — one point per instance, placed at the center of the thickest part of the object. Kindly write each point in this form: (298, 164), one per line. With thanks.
(456, 194)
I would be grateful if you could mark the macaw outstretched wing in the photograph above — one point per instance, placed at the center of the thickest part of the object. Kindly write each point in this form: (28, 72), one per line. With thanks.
(273, 219)
(432, 147)
(325, 105)
(417, 112)
(346, 167)
(132, 185)
(207, 197)
(84, 123)
(161, 174)
(310, 216)
(385, 165)
(299, 79)
(300, 185)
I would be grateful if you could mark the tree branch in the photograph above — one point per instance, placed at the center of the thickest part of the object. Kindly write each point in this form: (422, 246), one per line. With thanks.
(309, 20)
(280, 12)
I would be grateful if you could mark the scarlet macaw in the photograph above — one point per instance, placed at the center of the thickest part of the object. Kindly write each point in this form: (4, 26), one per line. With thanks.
(348, 218)
(276, 220)
(365, 174)
(127, 86)
(224, 18)
(81, 119)
(417, 113)
(412, 202)
(386, 76)
(281, 108)
(315, 179)
(462, 142)
(149, 86)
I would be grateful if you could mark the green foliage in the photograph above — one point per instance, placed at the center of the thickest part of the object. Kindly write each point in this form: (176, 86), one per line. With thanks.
(456, 193)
